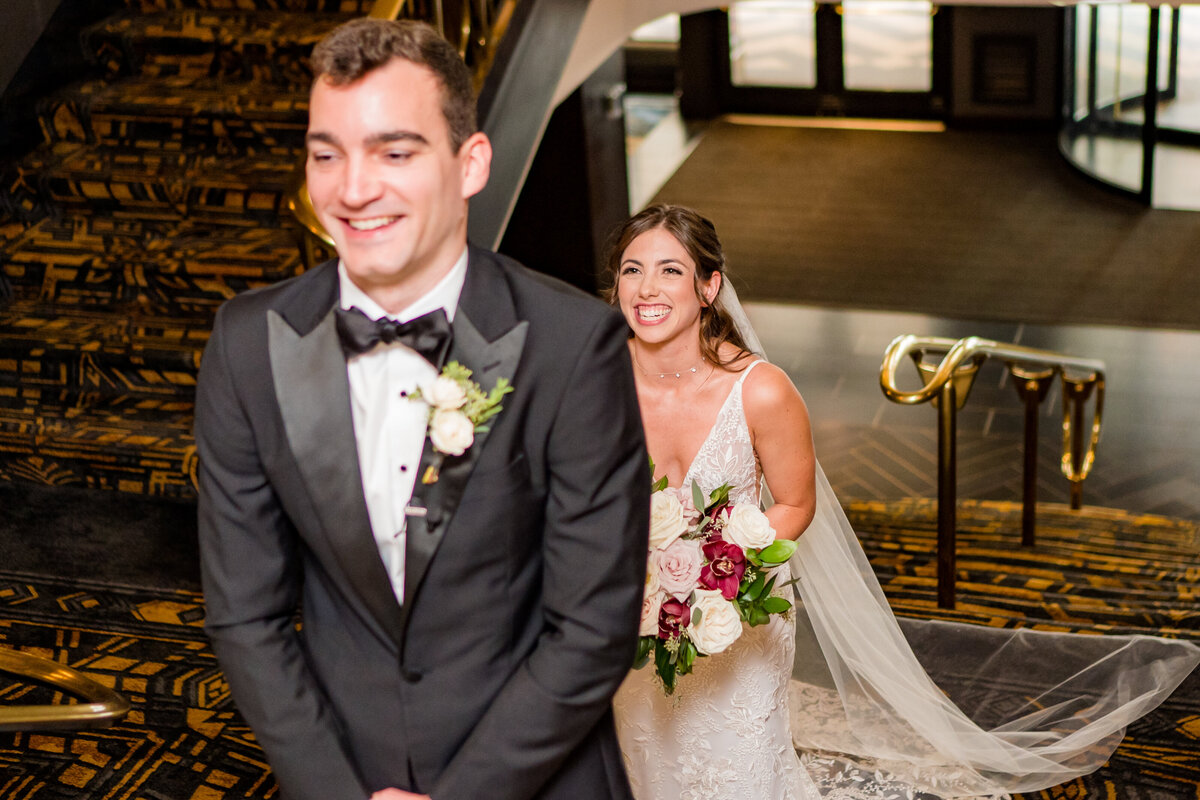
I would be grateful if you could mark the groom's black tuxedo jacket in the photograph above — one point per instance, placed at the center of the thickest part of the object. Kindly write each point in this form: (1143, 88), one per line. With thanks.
(523, 583)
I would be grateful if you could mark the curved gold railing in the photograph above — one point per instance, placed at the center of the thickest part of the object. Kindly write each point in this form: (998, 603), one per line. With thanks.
(102, 705)
(947, 383)
(477, 31)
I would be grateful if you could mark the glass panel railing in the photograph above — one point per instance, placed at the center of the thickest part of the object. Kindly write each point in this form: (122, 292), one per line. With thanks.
(1122, 38)
(1110, 132)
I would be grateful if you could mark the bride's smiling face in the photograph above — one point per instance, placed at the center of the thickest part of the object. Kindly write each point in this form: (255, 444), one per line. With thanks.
(658, 290)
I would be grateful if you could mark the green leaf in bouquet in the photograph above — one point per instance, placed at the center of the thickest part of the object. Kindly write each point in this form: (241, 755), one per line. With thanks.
(718, 498)
(645, 643)
(664, 665)
(698, 497)
(755, 589)
(687, 656)
(752, 557)
(759, 617)
(778, 552)
(775, 605)
(656, 485)
(697, 615)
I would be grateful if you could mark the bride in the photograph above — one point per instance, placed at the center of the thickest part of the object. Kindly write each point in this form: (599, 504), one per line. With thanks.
(713, 414)
(841, 680)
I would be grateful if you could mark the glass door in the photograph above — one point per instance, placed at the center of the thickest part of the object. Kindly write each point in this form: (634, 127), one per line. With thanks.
(870, 58)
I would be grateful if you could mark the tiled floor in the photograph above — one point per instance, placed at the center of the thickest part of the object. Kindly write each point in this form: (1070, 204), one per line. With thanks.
(1149, 454)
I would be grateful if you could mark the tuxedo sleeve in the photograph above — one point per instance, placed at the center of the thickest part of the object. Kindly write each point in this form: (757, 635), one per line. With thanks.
(251, 574)
(594, 552)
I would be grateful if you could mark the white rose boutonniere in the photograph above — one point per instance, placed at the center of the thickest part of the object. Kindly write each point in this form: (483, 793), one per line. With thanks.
(450, 431)
(445, 393)
(458, 409)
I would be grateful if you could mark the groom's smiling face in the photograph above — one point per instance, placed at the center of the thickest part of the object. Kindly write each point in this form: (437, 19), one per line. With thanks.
(387, 183)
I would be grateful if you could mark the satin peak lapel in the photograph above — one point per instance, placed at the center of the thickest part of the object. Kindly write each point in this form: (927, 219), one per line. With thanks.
(434, 503)
(314, 400)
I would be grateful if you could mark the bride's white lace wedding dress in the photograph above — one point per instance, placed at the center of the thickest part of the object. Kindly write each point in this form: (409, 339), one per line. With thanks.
(724, 734)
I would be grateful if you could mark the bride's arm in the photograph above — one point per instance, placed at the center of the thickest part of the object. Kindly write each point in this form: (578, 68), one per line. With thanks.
(782, 436)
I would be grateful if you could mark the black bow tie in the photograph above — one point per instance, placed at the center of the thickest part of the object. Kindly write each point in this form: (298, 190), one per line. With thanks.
(428, 334)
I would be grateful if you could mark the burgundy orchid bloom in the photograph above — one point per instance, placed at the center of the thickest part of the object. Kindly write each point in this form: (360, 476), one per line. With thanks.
(674, 615)
(725, 567)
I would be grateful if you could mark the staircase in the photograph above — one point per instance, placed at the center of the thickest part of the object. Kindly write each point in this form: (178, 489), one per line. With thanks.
(157, 193)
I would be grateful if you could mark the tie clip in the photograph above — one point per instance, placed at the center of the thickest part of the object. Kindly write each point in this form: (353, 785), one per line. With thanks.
(415, 511)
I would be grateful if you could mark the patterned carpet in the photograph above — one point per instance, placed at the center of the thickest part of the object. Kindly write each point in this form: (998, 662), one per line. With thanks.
(185, 740)
(158, 192)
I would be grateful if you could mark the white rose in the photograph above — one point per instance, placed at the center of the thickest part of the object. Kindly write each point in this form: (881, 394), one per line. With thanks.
(666, 520)
(651, 607)
(652, 584)
(451, 432)
(720, 624)
(679, 567)
(748, 527)
(445, 393)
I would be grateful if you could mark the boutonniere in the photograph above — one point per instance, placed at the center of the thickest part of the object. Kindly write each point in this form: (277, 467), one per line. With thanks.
(459, 408)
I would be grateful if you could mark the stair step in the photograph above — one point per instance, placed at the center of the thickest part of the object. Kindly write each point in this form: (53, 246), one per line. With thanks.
(179, 268)
(133, 444)
(181, 114)
(153, 184)
(235, 44)
(57, 350)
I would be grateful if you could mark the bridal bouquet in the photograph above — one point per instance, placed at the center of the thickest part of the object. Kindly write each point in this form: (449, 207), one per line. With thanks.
(707, 576)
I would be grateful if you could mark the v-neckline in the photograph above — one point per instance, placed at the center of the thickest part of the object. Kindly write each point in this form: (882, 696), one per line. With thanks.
(720, 412)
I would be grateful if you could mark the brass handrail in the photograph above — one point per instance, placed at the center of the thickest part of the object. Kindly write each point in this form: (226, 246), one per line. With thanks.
(103, 706)
(949, 382)
(958, 351)
(477, 36)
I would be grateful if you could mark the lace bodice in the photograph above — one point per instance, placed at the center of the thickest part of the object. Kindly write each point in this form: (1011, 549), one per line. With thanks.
(727, 454)
(724, 734)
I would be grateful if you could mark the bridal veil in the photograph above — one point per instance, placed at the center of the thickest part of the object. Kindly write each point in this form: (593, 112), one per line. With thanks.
(859, 689)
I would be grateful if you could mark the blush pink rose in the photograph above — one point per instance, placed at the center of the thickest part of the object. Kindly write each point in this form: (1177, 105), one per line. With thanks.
(651, 607)
(679, 567)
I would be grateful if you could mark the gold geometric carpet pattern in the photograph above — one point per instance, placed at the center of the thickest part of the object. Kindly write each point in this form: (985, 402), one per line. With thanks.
(158, 192)
(1097, 572)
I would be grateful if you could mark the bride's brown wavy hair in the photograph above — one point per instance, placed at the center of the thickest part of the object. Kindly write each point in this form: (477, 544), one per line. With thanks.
(699, 238)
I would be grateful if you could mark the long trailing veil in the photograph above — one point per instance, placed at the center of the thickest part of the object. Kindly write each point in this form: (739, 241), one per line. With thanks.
(859, 689)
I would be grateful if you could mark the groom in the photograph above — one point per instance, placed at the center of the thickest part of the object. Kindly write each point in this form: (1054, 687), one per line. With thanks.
(402, 614)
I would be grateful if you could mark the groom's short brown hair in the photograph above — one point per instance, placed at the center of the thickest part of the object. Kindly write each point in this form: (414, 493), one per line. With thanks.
(355, 48)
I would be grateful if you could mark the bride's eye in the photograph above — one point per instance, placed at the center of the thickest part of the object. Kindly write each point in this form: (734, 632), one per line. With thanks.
(628, 270)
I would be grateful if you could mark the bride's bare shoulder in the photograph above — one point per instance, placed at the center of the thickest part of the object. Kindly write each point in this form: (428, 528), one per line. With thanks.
(768, 390)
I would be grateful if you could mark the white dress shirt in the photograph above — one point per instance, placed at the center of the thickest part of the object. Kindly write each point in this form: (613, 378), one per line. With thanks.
(389, 428)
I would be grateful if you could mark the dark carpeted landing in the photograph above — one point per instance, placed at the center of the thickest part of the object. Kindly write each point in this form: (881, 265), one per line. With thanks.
(1099, 571)
(978, 225)
(116, 538)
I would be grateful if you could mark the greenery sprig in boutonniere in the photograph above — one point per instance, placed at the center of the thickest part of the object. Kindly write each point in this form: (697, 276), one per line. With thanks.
(458, 409)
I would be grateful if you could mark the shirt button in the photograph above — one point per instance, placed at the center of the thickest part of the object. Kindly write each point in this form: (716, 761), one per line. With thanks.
(403, 393)
(404, 467)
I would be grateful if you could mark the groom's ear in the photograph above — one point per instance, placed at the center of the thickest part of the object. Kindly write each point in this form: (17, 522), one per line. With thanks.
(475, 158)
